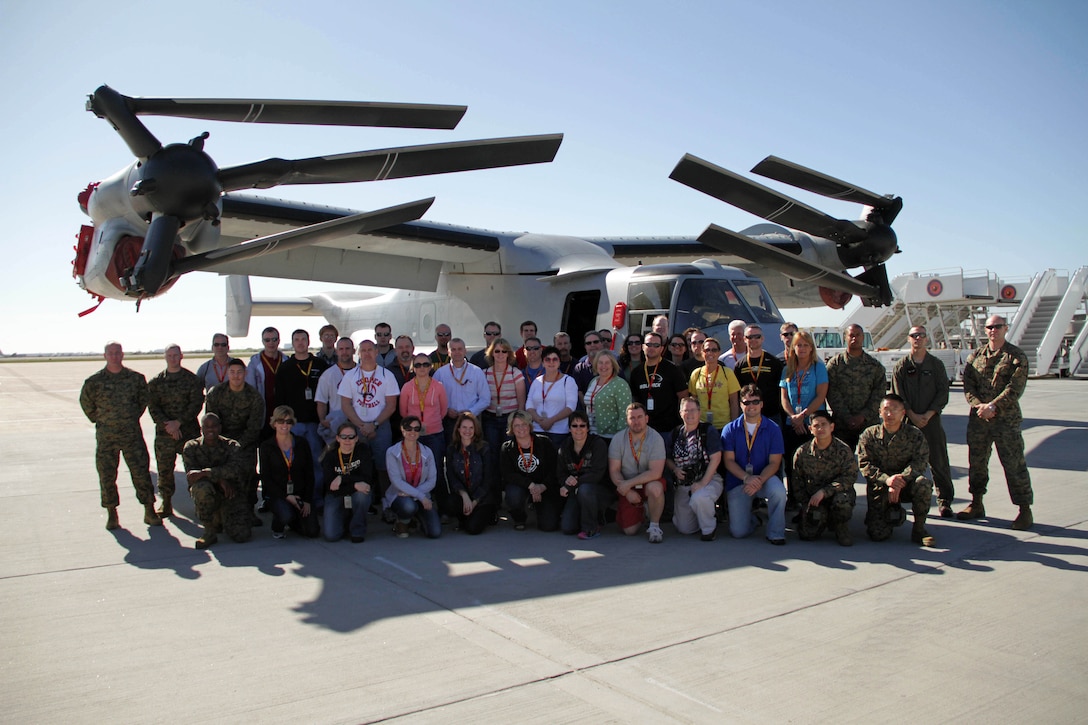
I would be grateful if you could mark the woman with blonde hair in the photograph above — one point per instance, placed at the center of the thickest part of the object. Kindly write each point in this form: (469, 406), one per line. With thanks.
(287, 477)
(507, 387)
(804, 390)
(527, 463)
(607, 397)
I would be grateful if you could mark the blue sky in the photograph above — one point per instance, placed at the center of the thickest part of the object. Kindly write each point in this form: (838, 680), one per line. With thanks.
(973, 112)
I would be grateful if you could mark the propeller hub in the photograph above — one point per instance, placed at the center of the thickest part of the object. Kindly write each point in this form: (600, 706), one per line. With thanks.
(180, 181)
(877, 247)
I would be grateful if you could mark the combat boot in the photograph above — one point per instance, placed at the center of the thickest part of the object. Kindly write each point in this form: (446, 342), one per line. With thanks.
(1024, 519)
(919, 535)
(111, 519)
(150, 517)
(974, 510)
(207, 539)
(167, 509)
(842, 535)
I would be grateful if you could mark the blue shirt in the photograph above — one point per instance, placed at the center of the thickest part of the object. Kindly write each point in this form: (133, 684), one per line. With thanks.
(768, 441)
(815, 375)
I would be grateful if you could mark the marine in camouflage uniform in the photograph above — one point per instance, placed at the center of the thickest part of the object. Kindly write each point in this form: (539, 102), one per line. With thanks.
(894, 456)
(856, 381)
(217, 470)
(113, 399)
(241, 411)
(994, 378)
(175, 397)
(825, 466)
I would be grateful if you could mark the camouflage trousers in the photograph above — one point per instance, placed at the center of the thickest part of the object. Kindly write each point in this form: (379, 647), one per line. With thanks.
(982, 437)
(917, 493)
(166, 452)
(938, 459)
(232, 515)
(832, 511)
(109, 445)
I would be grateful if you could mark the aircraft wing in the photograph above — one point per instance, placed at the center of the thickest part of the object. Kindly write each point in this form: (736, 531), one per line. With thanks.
(408, 255)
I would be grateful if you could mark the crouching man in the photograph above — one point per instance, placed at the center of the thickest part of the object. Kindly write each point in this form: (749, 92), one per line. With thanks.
(893, 457)
(825, 470)
(217, 471)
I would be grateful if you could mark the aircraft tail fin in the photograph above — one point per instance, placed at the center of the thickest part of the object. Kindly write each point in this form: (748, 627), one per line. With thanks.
(239, 305)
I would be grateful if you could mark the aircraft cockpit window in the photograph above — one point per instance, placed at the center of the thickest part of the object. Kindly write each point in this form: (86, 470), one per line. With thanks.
(755, 294)
(706, 303)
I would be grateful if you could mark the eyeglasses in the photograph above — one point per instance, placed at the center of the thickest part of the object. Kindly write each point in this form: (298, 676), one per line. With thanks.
(283, 422)
(651, 344)
(220, 344)
(443, 334)
(534, 348)
(500, 350)
(677, 344)
(634, 342)
(754, 401)
(711, 349)
(421, 365)
(578, 425)
(347, 437)
(271, 339)
(753, 337)
(916, 335)
(995, 327)
(412, 429)
(491, 334)
(593, 342)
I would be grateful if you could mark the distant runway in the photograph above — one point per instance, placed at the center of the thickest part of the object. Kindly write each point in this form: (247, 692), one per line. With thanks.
(137, 626)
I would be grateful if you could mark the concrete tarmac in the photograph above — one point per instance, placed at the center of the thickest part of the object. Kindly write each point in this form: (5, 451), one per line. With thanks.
(138, 626)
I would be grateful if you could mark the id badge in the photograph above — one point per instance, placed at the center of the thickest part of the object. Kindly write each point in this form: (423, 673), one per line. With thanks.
(748, 469)
(290, 489)
(309, 394)
(347, 502)
(649, 404)
(710, 416)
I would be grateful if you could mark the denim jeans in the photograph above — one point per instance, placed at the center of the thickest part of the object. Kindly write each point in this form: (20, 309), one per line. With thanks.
(582, 509)
(313, 438)
(406, 507)
(336, 515)
(741, 519)
(547, 510)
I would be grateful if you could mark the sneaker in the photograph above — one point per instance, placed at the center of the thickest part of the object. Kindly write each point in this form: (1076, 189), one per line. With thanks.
(654, 534)
(519, 526)
(586, 535)
(401, 530)
(709, 537)
(279, 534)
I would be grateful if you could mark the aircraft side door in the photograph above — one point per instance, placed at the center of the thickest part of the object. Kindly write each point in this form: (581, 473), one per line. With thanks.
(580, 311)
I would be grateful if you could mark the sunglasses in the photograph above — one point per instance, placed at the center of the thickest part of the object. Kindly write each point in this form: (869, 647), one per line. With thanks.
(753, 337)
(219, 344)
(916, 335)
(491, 334)
(788, 334)
(677, 344)
(412, 429)
(651, 344)
(578, 425)
(994, 327)
(756, 401)
(534, 348)
(422, 365)
(634, 342)
(271, 339)
(347, 437)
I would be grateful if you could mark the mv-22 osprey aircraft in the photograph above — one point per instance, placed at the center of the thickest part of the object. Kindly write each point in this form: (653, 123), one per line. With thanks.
(174, 211)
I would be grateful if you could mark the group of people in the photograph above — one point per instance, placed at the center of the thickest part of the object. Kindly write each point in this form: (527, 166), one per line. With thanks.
(677, 425)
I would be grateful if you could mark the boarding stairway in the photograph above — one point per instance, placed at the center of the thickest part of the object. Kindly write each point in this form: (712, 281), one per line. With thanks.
(1049, 324)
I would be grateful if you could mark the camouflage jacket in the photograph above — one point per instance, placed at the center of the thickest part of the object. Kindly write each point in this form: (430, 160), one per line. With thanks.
(114, 401)
(241, 413)
(855, 386)
(176, 396)
(996, 377)
(834, 469)
(882, 454)
(224, 459)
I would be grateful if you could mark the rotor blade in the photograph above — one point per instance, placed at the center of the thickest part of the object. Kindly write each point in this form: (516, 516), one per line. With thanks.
(762, 201)
(152, 268)
(818, 183)
(794, 267)
(305, 236)
(395, 163)
(109, 104)
(318, 113)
